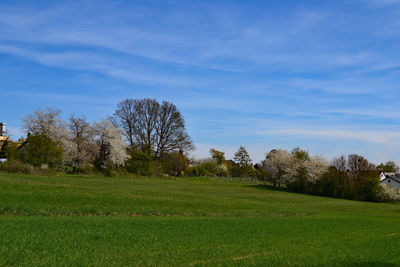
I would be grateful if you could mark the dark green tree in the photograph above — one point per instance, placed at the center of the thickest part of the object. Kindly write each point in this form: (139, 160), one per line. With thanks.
(242, 157)
(39, 150)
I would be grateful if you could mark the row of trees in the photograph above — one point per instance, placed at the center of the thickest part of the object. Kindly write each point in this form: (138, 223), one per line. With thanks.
(352, 177)
(143, 135)
(217, 165)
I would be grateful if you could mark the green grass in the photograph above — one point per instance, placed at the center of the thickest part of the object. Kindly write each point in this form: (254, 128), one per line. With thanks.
(83, 220)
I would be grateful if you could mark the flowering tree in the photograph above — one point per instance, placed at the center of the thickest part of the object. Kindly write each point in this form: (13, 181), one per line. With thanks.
(279, 164)
(46, 122)
(111, 149)
(79, 146)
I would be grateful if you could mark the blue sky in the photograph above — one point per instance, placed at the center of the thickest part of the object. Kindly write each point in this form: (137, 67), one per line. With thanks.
(322, 75)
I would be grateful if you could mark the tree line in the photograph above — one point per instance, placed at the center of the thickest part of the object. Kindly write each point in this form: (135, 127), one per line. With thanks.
(145, 137)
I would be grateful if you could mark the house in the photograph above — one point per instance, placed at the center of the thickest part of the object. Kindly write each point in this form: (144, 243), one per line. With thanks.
(3, 139)
(390, 178)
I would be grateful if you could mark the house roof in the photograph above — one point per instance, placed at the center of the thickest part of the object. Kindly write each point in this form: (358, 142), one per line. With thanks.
(393, 177)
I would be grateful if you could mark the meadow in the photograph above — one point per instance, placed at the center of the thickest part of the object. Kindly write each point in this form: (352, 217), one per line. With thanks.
(66, 220)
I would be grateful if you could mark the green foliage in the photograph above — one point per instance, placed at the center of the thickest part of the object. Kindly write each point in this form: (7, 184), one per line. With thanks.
(300, 154)
(300, 181)
(261, 174)
(242, 171)
(242, 157)
(16, 166)
(141, 163)
(217, 156)
(207, 168)
(196, 171)
(39, 150)
(389, 166)
(363, 185)
(174, 163)
(11, 150)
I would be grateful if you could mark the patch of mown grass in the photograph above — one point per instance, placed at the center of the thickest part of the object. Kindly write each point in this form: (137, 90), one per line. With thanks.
(143, 241)
(91, 195)
(100, 221)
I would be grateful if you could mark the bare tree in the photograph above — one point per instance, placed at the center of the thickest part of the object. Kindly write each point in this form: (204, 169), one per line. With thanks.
(357, 163)
(46, 122)
(170, 131)
(152, 127)
(340, 163)
(126, 119)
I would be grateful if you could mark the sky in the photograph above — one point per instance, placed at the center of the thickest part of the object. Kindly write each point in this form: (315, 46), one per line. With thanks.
(321, 75)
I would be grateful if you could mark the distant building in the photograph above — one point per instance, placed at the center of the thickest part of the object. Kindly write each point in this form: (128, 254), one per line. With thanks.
(390, 178)
(3, 139)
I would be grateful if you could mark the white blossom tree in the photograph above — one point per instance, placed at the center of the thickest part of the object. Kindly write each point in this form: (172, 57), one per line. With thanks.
(279, 164)
(79, 146)
(111, 148)
(285, 167)
(45, 122)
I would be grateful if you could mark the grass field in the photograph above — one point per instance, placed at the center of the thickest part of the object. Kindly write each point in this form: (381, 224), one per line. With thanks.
(82, 220)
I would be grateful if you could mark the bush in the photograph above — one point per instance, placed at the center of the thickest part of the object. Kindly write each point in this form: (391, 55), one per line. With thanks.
(11, 151)
(242, 171)
(174, 163)
(196, 171)
(261, 174)
(300, 182)
(141, 163)
(16, 166)
(39, 150)
(389, 193)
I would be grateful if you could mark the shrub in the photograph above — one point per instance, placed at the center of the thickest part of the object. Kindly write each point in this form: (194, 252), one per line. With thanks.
(16, 166)
(39, 150)
(141, 163)
(242, 171)
(389, 193)
(174, 163)
(261, 174)
(196, 171)
(11, 151)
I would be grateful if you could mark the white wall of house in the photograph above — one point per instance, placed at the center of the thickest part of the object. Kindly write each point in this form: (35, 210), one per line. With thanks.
(391, 182)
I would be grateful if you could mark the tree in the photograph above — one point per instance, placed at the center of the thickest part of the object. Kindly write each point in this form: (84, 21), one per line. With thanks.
(242, 158)
(153, 127)
(389, 166)
(218, 156)
(11, 151)
(171, 134)
(39, 150)
(340, 163)
(357, 163)
(279, 164)
(300, 154)
(111, 148)
(140, 163)
(46, 122)
(79, 149)
(126, 119)
(174, 163)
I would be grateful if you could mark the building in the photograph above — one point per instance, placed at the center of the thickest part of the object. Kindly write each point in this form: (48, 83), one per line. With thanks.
(390, 178)
(3, 139)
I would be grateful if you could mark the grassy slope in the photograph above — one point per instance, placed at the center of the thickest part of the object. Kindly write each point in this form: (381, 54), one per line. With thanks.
(186, 221)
